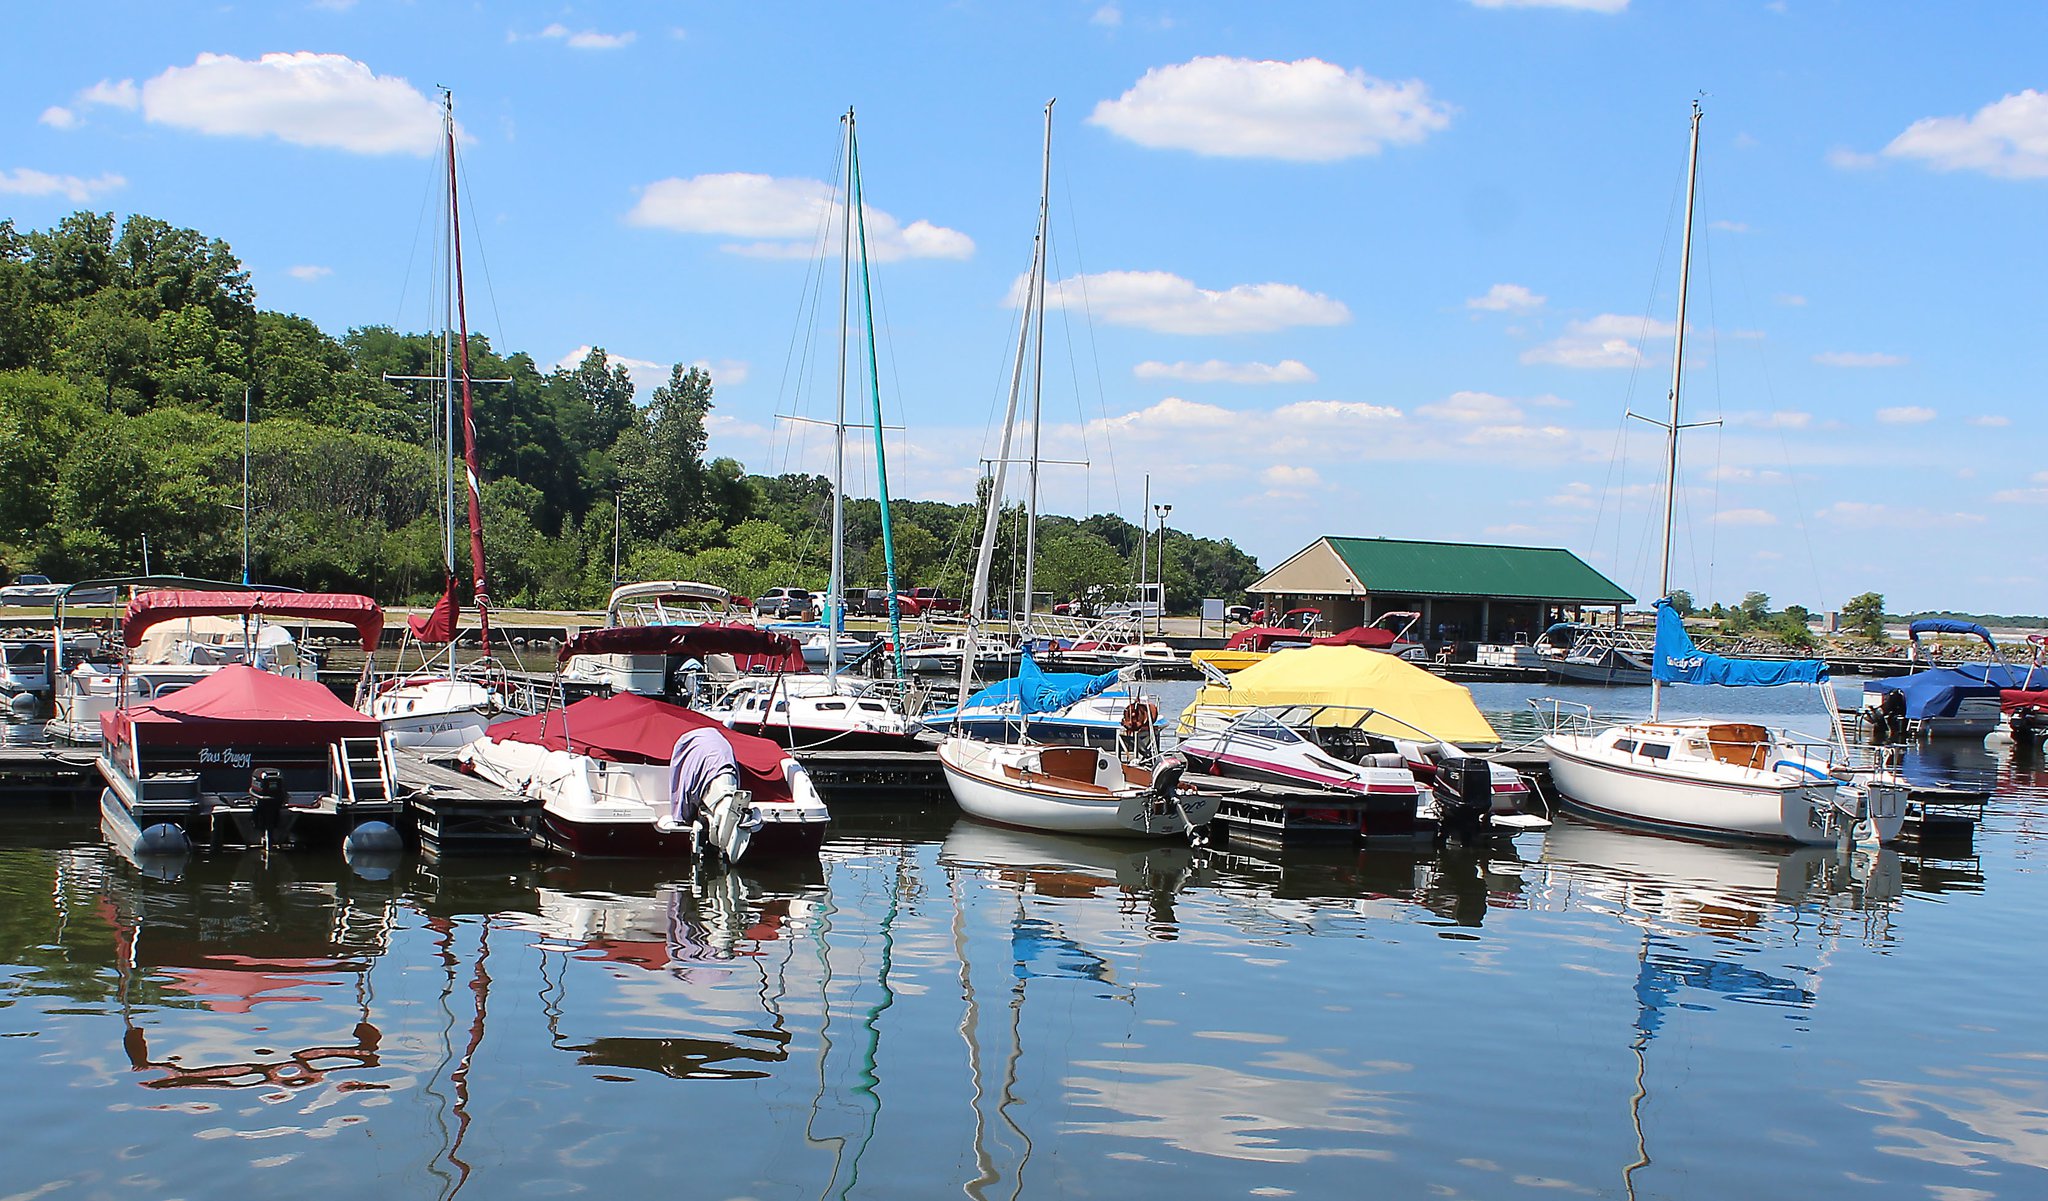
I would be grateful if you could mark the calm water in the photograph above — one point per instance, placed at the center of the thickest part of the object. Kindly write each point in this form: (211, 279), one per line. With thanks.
(937, 1008)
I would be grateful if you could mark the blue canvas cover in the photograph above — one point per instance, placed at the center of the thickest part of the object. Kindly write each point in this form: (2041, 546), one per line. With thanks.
(1679, 662)
(1947, 625)
(1040, 691)
(1940, 691)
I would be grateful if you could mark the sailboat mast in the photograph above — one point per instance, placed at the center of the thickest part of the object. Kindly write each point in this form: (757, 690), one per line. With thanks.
(835, 590)
(469, 456)
(1692, 176)
(875, 392)
(978, 603)
(1037, 375)
(448, 343)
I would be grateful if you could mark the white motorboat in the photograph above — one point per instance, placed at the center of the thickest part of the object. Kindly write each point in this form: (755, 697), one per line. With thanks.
(818, 712)
(1727, 779)
(651, 604)
(1070, 790)
(600, 769)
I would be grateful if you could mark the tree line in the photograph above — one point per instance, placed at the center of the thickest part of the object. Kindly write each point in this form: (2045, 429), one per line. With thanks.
(127, 350)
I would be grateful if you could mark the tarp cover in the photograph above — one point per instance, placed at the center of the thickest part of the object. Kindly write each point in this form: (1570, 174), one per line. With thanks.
(1355, 678)
(1369, 637)
(1941, 691)
(1262, 638)
(1039, 691)
(1678, 661)
(749, 646)
(366, 615)
(2014, 699)
(638, 729)
(239, 705)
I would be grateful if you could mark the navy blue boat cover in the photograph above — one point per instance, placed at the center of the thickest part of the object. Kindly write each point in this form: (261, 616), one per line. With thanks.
(1679, 662)
(1938, 692)
(1948, 625)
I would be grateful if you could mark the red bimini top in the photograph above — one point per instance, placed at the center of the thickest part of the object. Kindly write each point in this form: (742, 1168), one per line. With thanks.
(240, 705)
(1373, 638)
(636, 729)
(751, 647)
(155, 608)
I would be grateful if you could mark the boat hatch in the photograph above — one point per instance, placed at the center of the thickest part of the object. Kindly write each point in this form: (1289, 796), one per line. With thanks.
(1740, 744)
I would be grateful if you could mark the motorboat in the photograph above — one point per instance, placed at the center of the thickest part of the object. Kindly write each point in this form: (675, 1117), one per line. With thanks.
(600, 769)
(25, 660)
(1066, 708)
(1250, 645)
(1265, 746)
(818, 648)
(1598, 655)
(1961, 700)
(656, 605)
(943, 655)
(818, 712)
(246, 757)
(1071, 790)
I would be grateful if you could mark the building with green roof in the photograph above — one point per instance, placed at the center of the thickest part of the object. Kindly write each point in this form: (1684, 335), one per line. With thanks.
(1464, 591)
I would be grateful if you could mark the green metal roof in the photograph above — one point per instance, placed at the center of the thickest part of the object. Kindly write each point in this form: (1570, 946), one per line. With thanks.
(1469, 569)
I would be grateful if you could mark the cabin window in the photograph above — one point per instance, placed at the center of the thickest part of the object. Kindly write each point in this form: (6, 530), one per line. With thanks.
(1626, 746)
(873, 707)
(1657, 750)
(831, 706)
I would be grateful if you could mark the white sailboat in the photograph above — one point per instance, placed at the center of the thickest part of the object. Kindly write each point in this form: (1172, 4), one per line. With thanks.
(1064, 789)
(441, 705)
(1703, 776)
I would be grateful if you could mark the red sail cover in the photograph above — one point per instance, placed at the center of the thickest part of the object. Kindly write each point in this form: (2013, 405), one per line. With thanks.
(155, 608)
(636, 729)
(1370, 637)
(751, 648)
(240, 705)
(438, 625)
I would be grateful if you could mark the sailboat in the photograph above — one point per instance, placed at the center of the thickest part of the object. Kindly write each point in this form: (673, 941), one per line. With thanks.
(1063, 789)
(834, 710)
(1706, 776)
(440, 706)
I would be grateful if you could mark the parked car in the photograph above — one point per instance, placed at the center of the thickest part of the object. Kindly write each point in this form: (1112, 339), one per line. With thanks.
(791, 604)
(1241, 614)
(874, 602)
(929, 601)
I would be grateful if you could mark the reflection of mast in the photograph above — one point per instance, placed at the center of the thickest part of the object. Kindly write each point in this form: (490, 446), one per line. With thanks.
(868, 1077)
(970, 1025)
(480, 989)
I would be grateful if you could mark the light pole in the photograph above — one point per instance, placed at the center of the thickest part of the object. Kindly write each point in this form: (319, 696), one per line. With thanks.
(1159, 566)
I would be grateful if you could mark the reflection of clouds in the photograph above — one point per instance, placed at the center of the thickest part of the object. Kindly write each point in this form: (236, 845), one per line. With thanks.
(1213, 1110)
(2010, 1122)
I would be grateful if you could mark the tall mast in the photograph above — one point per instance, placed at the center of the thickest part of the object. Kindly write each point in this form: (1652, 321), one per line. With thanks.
(978, 602)
(1037, 374)
(835, 591)
(1692, 175)
(875, 392)
(469, 456)
(448, 339)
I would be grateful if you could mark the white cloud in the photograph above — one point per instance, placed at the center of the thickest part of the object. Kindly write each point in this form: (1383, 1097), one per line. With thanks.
(1472, 408)
(648, 375)
(2037, 495)
(1506, 298)
(108, 93)
(309, 273)
(1866, 515)
(1591, 6)
(1991, 420)
(1905, 415)
(1732, 227)
(1575, 495)
(25, 181)
(1745, 517)
(577, 39)
(1851, 358)
(1305, 111)
(2007, 138)
(1167, 304)
(1845, 159)
(1782, 419)
(1108, 16)
(1335, 412)
(1608, 340)
(325, 100)
(1279, 476)
(58, 117)
(786, 217)
(1216, 371)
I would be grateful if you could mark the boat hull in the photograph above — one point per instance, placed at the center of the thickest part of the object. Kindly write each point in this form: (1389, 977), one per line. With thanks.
(1780, 810)
(1029, 800)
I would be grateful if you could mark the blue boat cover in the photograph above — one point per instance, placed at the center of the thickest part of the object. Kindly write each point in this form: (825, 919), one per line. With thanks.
(1039, 691)
(1948, 625)
(1939, 691)
(1679, 662)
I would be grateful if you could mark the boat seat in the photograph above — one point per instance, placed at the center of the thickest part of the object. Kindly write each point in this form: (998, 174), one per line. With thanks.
(1065, 783)
(1073, 763)
(1740, 744)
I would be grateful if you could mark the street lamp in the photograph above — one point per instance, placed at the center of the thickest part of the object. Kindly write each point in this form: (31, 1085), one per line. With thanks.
(1159, 565)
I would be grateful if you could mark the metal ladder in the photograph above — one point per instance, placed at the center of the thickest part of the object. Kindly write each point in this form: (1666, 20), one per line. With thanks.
(363, 769)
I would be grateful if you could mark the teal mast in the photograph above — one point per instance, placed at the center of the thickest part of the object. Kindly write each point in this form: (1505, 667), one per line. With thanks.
(875, 390)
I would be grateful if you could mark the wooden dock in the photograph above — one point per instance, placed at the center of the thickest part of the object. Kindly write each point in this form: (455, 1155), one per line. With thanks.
(457, 813)
(51, 772)
(865, 776)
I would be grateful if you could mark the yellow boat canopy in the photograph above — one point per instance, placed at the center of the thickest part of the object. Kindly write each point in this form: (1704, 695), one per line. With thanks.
(1352, 679)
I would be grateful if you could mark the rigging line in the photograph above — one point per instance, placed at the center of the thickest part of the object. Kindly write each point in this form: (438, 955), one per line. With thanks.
(412, 253)
(1720, 410)
(797, 357)
(1636, 361)
(1080, 280)
(476, 239)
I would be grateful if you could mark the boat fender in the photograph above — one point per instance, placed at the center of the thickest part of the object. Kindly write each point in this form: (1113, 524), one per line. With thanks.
(372, 837)
(163, 838)
(1139, 714)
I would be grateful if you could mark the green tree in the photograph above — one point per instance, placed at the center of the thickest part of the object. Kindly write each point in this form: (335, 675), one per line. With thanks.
(1864, 614)
(1755, 605)
(1681, 600)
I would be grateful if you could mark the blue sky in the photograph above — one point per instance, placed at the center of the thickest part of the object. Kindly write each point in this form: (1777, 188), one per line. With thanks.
(1365, 269)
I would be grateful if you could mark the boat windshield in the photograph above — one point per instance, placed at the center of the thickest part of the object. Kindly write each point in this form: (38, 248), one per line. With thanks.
(1261, 723)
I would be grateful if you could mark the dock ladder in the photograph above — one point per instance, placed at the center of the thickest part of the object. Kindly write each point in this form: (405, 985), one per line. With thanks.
(363, 772)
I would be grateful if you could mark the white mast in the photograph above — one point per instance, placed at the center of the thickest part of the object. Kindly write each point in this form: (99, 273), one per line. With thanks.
(448, 337)
(1037, 303)
(835, 591)
(977, 606)
(1671, 429)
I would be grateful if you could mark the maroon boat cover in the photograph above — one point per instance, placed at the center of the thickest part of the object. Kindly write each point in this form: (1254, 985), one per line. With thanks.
(154, 608)
(1262, 638)
(438, 624)
(1370, 637)
(751, 648)
(240, 705)
(2011, 700)
(636, 729)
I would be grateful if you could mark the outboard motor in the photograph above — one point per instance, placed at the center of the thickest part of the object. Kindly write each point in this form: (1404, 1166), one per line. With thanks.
(1464, 791)
(1166, 780)
(266, 794)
